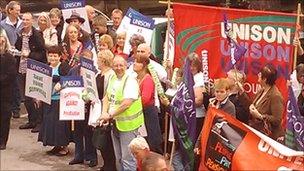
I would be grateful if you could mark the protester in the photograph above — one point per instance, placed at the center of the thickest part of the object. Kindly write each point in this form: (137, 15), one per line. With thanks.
(91, 14)
(147, 93)
(84, 149)
(12, 25)
(237, 95)
(300, 81)
(119, 46)
(54, 132)
(135, 41)
(116, 17)
(123, 104)
(267, 108)
(56, 21)
(140, 149)
(84, 36)
(105, 42)
(99, 24)
(196, 67)
(49, 33)
(220, 101)
(31, 44)
(105, 62)
(72, 46)
(154, 162)
(7, 75)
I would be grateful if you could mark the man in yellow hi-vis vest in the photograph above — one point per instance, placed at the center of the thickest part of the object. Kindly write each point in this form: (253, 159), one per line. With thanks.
(123, 104)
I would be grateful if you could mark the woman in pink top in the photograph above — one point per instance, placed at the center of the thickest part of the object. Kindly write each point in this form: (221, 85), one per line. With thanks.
(147, 88)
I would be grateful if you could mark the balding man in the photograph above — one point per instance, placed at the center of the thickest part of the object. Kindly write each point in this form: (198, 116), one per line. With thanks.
(122, 103)
(31, 44)
(145, 50)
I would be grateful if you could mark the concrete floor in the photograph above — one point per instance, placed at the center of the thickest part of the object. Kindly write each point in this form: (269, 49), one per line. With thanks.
(23, 152)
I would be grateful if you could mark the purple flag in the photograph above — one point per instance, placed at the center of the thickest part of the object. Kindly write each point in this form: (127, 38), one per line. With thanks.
(294, 137)
(236, 50)
(184, 116)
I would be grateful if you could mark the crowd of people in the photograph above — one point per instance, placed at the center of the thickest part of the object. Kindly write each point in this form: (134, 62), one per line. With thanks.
(126, 88)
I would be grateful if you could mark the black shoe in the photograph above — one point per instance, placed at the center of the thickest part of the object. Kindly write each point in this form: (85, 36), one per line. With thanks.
(2, 147)
(16, 114)
(74, 161)
(93, 163)
(36, 129)
(27, 126)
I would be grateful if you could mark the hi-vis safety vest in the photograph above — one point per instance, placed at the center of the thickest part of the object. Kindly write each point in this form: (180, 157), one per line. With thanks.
(132, 117)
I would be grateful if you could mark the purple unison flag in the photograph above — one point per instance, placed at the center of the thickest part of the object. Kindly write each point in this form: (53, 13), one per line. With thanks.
(184, 117)
(294, 137)
(236, 50)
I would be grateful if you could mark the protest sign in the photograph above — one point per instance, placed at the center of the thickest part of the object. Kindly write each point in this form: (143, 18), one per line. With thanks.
(136, 23)
(88, 71)
(78, 6)
(38, 82)
(228, 144)
(71, 103)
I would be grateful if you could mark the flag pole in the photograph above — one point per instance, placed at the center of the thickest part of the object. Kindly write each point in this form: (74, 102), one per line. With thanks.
(172, 152)
(164, 62)
(295, 54)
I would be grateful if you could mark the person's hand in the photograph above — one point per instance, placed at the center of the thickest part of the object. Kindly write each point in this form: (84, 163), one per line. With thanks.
(296, 42)
(165, 101)
(104, 119)
(254, 112)
(212, 102)
(197, 151)
(57, 87)
(25, 53)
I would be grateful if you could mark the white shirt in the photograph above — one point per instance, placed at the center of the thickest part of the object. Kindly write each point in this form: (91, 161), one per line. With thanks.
(296, 86)
(199, 82)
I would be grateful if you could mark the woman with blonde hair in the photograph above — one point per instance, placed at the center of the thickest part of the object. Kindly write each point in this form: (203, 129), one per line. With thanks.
(49, 33)
(120, 43)
(105, 42)
(72, 47)
(105, 62)
(55, 15)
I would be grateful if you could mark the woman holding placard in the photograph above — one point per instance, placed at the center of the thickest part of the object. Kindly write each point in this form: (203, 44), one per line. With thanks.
(54, 132)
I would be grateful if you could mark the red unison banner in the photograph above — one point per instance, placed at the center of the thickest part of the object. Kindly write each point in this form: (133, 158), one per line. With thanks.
(267, 36)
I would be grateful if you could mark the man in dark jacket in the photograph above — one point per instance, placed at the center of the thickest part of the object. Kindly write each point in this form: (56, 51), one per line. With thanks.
(7, 76)
(31, 44)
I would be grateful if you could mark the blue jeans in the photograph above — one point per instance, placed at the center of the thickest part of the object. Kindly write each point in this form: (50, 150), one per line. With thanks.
(125, 161)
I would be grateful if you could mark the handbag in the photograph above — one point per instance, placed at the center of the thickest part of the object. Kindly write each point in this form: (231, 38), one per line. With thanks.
(101, 136)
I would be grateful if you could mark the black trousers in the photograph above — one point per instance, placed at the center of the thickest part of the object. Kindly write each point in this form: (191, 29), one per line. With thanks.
(34, 113)
(5, 113)
(84, 149)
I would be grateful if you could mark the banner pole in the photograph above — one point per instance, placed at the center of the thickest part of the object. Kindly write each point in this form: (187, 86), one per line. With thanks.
(73, 125)
(166, 133)
(165, 2)
(295, 54)
(172, 152)
(164, 62)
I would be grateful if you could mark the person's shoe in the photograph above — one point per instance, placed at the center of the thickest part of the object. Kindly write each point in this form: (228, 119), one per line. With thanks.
(75, 161)
(16, 114)
(93, 163)
(36, 129)
(27, 126)
(2, 147)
